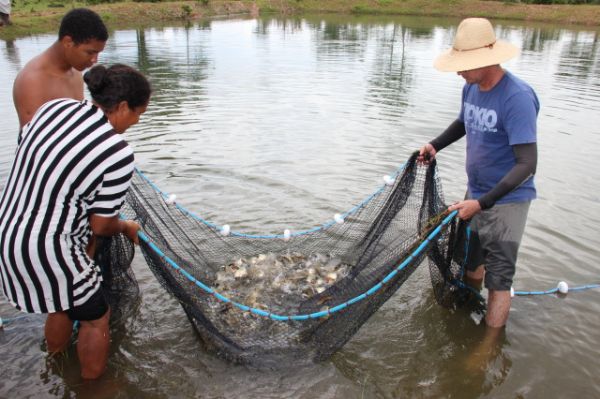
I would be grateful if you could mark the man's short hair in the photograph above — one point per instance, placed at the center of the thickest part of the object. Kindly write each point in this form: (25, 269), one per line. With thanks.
(82, 25)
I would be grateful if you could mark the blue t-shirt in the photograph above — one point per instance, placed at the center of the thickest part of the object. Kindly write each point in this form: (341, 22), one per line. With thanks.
(494, 121)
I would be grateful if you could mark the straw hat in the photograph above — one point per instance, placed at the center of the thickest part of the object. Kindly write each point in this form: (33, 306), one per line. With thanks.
(475, 46)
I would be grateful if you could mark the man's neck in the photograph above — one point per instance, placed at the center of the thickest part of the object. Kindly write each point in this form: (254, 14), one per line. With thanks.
(56, 57)
(493, 75)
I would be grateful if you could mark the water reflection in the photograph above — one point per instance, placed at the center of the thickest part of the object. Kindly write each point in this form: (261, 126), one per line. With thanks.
(12, 54)
(265, 26)
(536, 39)
(579, 59)
(183, 70)
(431, 354)
(391, 79)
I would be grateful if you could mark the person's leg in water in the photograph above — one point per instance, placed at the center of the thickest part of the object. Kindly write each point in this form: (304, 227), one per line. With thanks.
(92, 343)
(486, 350)
(474, 278)
(498, 308)
(58, 330)
(93, 339)
(59, 326)
(498, 304)
(500, 230)
(92, 346)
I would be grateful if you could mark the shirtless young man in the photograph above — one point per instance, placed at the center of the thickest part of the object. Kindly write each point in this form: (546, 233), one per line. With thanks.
(56, 73)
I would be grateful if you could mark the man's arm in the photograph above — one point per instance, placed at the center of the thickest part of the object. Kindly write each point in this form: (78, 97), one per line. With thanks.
(454, 132)
(28, 96)
(526, 163)
(525, 166)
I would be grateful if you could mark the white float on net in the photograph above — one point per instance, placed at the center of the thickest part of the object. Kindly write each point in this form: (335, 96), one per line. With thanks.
(389, 180)
(171, 199)
(563, 287)
(225, 230)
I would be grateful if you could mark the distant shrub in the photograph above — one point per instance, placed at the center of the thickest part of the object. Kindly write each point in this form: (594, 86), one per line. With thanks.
(363, 9)
(94, 2)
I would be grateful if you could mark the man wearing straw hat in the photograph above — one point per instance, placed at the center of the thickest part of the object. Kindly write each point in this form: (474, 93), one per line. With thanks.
(498, 117)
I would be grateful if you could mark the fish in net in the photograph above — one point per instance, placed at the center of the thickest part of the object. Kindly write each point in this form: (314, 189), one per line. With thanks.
(298, 297)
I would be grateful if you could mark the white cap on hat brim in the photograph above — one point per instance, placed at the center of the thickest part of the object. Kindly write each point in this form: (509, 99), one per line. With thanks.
(456, 61)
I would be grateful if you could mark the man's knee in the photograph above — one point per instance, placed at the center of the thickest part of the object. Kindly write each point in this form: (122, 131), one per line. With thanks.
(499, 281)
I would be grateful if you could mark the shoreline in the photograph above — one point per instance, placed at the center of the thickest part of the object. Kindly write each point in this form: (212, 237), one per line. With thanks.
(31, 21)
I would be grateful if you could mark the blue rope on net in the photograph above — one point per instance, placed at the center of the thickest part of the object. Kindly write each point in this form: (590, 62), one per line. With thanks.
(315, 315)
(562, 287)
(324, 226)
(9, 320)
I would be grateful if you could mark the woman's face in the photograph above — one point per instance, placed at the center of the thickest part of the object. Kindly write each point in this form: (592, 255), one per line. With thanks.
(123, 117)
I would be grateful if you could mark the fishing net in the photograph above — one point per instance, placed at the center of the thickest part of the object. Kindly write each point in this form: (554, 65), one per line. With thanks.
(297, 296)
(114, 255)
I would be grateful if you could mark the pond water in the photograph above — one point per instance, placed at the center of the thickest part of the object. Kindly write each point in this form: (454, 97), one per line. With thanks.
(275, 123)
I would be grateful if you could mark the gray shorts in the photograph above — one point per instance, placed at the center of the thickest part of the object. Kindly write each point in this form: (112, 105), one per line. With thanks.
(494, 242)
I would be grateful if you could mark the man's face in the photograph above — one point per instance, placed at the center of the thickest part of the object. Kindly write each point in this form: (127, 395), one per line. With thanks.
(473, 76)
(83, 55)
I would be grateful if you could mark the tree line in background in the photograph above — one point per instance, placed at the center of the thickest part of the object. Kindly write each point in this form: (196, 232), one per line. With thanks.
(205, 2)
(554, 1)
(62, 3)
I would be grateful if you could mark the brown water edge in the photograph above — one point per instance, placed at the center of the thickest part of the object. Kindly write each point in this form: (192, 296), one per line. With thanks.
(44, 16)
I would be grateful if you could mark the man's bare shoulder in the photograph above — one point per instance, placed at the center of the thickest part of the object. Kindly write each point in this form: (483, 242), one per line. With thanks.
(44, 66)
(40, 81)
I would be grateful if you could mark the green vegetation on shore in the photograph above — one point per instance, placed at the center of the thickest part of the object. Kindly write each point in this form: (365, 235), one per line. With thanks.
(42, 16)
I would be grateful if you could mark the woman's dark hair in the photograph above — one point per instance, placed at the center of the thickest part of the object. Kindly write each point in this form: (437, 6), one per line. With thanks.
(82, 25)
(109, 86)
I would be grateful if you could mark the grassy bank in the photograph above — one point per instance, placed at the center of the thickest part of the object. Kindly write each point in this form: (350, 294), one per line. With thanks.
(41, 16)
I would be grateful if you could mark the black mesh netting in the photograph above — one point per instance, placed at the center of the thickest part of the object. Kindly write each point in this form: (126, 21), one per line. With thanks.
(308, 273)
(114, 256)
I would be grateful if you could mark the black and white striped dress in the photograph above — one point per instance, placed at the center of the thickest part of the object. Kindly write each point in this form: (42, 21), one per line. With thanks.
(70, 163)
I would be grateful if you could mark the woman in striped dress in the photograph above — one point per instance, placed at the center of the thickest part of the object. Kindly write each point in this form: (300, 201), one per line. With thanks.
(69, 179)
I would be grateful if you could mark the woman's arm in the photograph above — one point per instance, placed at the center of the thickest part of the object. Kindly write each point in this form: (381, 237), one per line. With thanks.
(110, 226)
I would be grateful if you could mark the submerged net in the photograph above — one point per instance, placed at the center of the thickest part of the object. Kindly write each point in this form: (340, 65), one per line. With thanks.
(265, 300)
(114, 255)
